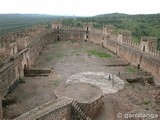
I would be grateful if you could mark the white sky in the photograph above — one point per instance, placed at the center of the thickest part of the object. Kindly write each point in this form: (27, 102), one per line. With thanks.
(80, 7)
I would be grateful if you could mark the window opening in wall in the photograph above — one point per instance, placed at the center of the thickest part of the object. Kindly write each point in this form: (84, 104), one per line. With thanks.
(87, 29)
(140, 58)
(138, 66)
(87, 36)
(143, 48)
(58, 38)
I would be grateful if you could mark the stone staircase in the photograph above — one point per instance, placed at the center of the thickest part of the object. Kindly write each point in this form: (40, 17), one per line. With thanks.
(80, 111)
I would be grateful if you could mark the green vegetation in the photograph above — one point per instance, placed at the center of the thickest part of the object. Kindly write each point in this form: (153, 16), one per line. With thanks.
(139, 25)
(15, 22)
(145, 101)
(99, 54)
(132, 69)
(55, 83)
(49, 58)
(22, 95)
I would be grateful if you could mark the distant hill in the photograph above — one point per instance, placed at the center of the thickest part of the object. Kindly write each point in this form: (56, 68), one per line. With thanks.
(12, 22)
(112, 15)
(139, 25)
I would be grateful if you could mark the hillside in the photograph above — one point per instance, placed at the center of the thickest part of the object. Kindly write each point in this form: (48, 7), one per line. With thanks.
(139, 25)
(12, 22)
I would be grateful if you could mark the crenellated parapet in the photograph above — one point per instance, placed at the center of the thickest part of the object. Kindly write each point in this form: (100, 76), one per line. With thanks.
(71, 28)
(88, 26)
(11, 43)
(148, 42)
(56, 24)
(124, 36)
(107, 29)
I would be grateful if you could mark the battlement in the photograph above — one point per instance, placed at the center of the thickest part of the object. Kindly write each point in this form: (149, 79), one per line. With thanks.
(148, 38)
(97, 31)
(154, 52)
(56, 24)
(124, 36)
(107, 29)
(71, 28)
(88, 26)
(133, 44)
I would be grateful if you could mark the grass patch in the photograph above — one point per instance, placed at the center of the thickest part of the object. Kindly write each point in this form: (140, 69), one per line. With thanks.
(22, 95)
(55, 83)
(145, 101)
(127, 85)
(132, 69)
(99, 54)
(49, 58)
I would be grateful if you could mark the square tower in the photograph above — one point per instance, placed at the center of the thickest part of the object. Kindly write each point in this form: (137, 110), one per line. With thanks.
(56, 24)
(107, 29)
(88, 26)
(124, 36)
(148, 43)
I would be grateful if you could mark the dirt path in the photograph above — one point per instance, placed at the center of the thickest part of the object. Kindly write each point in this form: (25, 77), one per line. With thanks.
(66, 59)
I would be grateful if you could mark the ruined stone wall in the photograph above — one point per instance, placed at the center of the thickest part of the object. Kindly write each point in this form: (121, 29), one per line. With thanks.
(53, 110)
(135, 56)
(70, 33)
(10, 73)
(61, 109)
(12, 68)
(39, 43)
(95, 36)
(93, 108)
(62, 113)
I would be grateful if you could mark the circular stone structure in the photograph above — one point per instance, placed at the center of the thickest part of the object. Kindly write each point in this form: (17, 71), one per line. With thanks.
(107, 82)
(89, 97)
(82, 92)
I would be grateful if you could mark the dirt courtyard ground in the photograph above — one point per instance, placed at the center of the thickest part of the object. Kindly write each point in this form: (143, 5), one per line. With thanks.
(67, 58)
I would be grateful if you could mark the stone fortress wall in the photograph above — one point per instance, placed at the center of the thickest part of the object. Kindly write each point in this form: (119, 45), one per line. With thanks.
(19, 50)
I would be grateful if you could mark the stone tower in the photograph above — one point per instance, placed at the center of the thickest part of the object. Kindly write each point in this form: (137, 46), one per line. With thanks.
(148, 43)
(88, 27)
(56, 24)
(124, 36)
(107, 30)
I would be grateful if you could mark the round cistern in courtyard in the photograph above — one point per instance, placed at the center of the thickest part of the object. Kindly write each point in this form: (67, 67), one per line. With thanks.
(107, 82)
(82, 92)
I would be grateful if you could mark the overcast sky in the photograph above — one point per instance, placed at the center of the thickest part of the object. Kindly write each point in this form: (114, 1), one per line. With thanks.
(80, 7)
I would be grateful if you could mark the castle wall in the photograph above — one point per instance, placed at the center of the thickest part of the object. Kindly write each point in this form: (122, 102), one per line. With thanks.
(39, 43)
(57, 110)
(62, 113)
(72, 34)
(13, 68)
(135, 56)
(95, 36)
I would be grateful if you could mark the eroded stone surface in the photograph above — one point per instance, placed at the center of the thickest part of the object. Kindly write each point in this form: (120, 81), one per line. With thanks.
(107, 82)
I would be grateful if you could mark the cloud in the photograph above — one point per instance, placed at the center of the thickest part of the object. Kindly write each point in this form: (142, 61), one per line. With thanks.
(79, 7)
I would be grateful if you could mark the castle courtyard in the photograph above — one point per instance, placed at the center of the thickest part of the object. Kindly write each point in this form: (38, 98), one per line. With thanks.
(67, 59)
